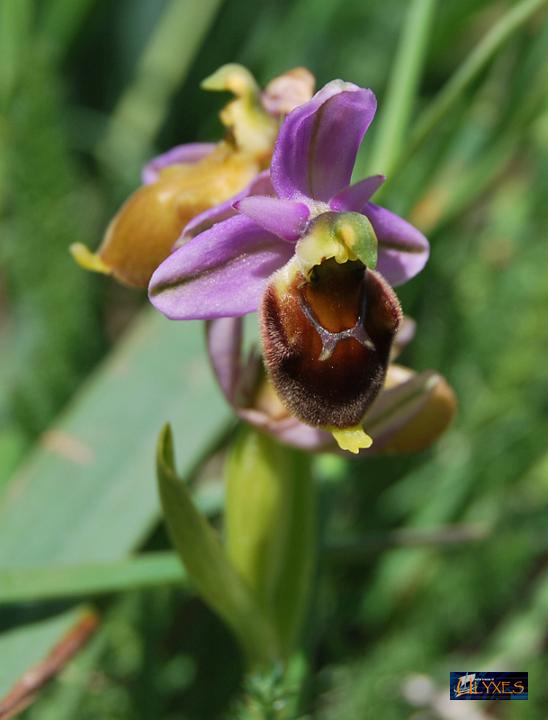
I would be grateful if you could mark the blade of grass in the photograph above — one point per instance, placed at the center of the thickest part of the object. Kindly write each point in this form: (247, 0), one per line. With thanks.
(87, 494)
(62, 20)
(15, 22)
(159, 568)
(463, 180)
(402, 85)
(161, 69)
(465, 75)
(162, 568)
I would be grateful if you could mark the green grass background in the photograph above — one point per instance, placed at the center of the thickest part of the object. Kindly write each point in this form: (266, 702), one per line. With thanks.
(85, 97)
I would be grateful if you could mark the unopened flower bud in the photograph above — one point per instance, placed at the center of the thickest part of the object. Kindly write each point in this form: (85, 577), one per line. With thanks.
(420, 407)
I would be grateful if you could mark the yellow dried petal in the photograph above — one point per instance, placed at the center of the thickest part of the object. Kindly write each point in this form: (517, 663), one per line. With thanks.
(232, 77)
(252, 128)
(351, 439)
(89, 260)
(143, 232)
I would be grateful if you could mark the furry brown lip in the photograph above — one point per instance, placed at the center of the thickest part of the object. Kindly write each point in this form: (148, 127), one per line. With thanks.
(327, 342)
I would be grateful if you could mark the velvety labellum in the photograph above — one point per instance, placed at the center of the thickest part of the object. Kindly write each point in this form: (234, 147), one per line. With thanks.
(327, 341)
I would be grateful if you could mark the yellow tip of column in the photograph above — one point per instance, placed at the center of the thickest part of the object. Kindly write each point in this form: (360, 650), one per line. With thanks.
(352, 439)
(88, 260)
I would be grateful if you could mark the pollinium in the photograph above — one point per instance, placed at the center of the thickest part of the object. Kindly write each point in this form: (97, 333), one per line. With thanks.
(327, 337)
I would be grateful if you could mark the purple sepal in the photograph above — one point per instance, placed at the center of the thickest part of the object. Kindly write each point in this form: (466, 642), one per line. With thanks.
(180, 155)
(220, 273)
(354, 197)
(318, 142)
(224, 342)
(284, 218)
(403, 250)
(406, 333)
(289, 430)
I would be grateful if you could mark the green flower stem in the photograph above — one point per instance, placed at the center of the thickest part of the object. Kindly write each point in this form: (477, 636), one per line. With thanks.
(203, 557)
(270, 528)
(402, 86)
(465, 75)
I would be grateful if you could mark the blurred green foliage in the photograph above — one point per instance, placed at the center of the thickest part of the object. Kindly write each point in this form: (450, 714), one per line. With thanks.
(391, 615)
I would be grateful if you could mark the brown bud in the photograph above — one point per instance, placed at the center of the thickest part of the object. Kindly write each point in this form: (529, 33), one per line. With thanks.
(418, 406)
(327, 340)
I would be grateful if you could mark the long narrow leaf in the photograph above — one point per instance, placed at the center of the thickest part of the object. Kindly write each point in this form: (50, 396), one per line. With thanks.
(465, 75)
(87, 494)
(206, 563)
(403, 85)
(161, 70)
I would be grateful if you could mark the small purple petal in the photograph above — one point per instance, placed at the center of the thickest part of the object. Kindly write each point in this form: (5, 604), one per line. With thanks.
(289, 430)
(284, 218)
(406, 333)
(219, 273)
(224, 344)
(354, 197)
(318, 142)
(180, 155)
(260, 185)
(403, 250)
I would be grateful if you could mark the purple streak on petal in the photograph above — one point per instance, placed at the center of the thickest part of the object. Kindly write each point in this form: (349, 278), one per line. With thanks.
(179, 155)
(354, 197)
(396, 407)
(224, 344)
(318, 142)
(260, 185)
(285, 218)
(219, 273)
(403, 250)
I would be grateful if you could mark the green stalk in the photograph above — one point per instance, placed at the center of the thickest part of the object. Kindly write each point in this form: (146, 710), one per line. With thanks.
(466, 74)
(402, 86)
(270, 528)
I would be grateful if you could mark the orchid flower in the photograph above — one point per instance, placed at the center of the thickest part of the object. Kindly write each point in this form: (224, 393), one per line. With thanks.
(318, 260)
(188, 179)
(305, 255)
(409, 414)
